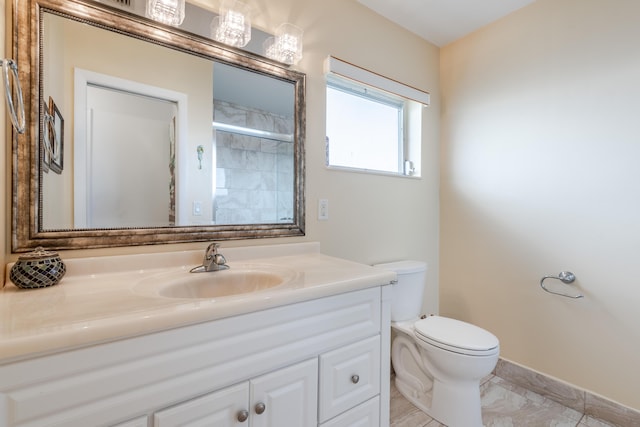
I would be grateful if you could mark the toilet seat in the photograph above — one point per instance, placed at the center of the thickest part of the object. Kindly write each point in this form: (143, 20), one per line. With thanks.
(455, 335)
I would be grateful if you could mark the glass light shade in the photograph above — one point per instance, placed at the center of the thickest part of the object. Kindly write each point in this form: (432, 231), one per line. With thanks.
(170, 12)
(269, 47)
(286, 46)
(233, 25)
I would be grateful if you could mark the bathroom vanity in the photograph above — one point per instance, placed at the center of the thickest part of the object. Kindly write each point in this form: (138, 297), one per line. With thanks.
(109, 347)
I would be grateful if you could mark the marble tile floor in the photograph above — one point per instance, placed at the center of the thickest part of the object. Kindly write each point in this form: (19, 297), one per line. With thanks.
(503, 405)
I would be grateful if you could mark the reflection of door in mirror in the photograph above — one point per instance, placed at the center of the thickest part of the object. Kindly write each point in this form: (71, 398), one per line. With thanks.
(128, 166)
(126, 139)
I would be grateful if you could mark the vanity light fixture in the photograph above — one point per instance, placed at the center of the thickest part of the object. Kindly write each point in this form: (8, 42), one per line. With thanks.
(286, 45)
(170, 12)
(233, 25)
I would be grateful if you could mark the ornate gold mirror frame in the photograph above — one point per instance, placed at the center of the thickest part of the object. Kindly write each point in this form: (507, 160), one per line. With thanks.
(27, 229)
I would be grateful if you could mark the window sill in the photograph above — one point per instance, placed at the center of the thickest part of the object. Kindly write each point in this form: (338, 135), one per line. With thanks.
(371, 172)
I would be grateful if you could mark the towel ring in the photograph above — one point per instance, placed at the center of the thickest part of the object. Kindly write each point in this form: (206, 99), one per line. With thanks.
(17, 117)
(565, 277)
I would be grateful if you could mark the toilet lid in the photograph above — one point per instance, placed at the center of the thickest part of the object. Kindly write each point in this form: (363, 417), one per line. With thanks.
(455, 335)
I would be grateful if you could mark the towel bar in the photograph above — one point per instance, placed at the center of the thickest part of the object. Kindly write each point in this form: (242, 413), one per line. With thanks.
(566, 277)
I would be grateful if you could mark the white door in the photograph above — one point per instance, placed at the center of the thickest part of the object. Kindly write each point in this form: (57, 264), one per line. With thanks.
(128, 159)
(127, 140)
(289, 396)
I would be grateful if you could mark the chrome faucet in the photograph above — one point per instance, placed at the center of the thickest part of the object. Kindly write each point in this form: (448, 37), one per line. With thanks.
(213, 260)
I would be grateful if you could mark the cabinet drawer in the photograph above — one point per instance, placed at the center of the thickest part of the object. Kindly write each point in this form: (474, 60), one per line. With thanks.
(349, 376)
(138, 422)
(220, 409)
(366, 414)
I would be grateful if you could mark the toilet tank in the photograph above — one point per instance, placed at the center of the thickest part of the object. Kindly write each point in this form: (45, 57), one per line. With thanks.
(407, 294)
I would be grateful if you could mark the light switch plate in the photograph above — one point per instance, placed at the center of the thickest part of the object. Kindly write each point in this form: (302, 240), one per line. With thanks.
(323, 209)
(197, 208)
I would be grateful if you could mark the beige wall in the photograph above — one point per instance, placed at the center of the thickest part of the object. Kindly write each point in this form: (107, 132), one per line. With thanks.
(540, 173)
(372, 218)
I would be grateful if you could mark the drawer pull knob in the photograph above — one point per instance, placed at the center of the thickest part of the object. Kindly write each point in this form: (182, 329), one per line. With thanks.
(243, 415)
(260, 408)
(355, 379)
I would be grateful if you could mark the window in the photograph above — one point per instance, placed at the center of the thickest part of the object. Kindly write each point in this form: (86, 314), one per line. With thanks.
(364, 127)
(371, 123)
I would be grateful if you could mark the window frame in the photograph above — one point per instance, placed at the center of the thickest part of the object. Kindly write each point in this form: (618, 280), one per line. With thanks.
(414, 99)
(372, 94)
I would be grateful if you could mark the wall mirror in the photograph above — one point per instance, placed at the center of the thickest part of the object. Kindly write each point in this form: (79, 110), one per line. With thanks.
(140, 133)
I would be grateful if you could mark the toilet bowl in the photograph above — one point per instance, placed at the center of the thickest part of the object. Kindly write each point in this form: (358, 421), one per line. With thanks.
(438, 362)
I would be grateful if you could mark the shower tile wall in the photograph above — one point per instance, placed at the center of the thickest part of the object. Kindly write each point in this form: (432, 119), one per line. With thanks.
(254, 176)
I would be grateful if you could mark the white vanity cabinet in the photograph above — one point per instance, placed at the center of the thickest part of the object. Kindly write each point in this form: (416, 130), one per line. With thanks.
(316, 362)
(287, 397)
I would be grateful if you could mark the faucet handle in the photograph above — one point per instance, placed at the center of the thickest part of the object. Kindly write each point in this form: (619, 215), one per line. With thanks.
(219, 259)
(211, 251)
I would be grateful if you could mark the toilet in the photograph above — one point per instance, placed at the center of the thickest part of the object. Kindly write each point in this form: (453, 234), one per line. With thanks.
(438, 361)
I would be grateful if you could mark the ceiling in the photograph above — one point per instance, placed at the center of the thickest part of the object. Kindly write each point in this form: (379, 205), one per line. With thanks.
(443, 21)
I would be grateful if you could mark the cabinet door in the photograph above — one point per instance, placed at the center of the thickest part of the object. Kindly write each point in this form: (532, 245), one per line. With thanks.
(287, 397)
(224, 408)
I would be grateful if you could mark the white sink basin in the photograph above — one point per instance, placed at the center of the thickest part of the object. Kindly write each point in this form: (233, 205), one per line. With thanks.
(237, 280)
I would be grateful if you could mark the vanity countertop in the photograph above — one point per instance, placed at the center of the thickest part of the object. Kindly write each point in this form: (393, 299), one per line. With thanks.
(99, 299)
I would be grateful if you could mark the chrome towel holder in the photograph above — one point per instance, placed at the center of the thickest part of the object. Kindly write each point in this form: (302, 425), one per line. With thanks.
(565, 277)
(17, 114)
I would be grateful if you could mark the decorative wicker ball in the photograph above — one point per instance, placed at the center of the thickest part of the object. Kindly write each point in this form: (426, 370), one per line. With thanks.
(38, 269)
